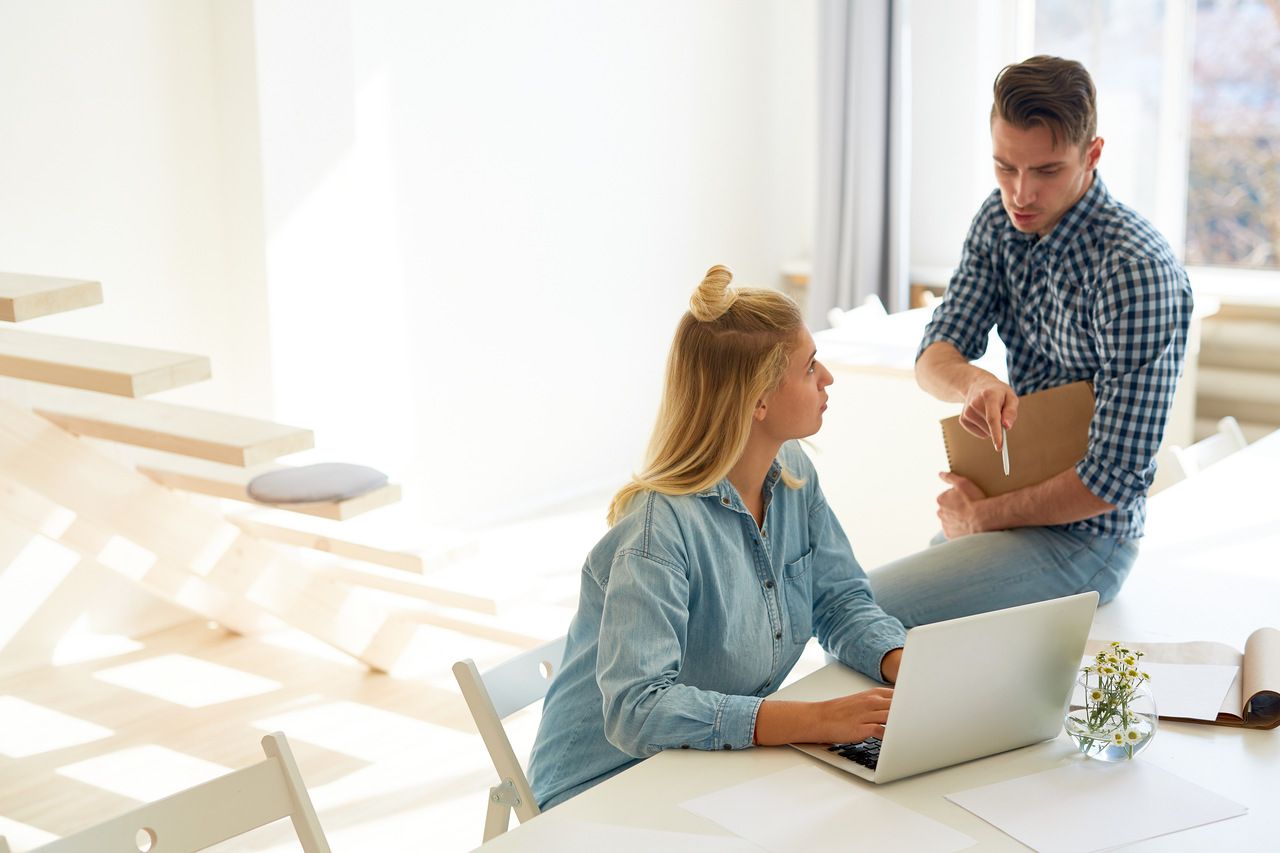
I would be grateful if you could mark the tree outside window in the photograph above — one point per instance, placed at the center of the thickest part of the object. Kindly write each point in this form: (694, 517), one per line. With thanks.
(1233, 186)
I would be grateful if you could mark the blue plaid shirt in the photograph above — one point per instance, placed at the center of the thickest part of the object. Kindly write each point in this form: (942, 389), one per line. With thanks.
(1100, 298)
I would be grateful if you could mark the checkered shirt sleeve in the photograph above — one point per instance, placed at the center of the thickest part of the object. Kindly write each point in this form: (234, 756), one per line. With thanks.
(1140, 322)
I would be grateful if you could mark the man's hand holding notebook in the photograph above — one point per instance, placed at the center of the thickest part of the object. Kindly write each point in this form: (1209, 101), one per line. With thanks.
(1051, 434)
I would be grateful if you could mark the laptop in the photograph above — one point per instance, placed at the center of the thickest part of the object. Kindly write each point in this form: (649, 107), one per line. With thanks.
(972, 687)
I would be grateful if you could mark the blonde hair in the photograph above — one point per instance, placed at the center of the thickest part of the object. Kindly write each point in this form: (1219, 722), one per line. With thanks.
(731, 348)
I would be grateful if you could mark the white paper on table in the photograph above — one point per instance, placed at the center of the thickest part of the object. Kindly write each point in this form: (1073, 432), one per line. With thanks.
(1192, 690)
(805, 808)
(1090, 805)
(573, 836)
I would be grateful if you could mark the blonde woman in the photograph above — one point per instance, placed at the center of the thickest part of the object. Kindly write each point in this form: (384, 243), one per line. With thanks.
(722, 560)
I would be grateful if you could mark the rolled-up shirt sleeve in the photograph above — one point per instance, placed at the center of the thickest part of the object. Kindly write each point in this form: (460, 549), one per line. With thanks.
(969, 310)
(847, 621)
(1140, 323)
(645, 709)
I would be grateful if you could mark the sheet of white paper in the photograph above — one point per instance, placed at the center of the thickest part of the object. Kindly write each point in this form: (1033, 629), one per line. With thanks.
(582, 837)
(805, 808)
(1191, 690)
(1073, 809)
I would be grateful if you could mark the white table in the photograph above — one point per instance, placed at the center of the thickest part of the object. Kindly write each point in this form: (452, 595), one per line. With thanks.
(1209, 569)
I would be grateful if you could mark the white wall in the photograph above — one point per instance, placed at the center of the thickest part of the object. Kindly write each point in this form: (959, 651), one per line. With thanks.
(115, 120)
(956, 50)
(484, 220)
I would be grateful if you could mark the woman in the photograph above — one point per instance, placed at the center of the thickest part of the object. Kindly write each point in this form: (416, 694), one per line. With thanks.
(722, 560)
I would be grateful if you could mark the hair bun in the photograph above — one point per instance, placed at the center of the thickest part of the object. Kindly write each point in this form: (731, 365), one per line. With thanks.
(713, 296)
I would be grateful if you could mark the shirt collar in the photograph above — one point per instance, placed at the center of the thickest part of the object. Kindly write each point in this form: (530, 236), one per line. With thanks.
(1075, 221)
(724, 491)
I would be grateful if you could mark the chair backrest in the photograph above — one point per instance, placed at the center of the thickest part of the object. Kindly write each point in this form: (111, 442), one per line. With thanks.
(210, 813)
(1227, 440)
(496, 694)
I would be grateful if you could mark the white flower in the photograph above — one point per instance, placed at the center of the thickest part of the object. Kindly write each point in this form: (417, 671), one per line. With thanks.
(1132, 735)
(1117, 737)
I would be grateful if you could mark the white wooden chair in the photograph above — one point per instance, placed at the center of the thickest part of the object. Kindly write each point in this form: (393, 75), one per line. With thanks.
(210, 813)
(1229, 438)
(494, 695)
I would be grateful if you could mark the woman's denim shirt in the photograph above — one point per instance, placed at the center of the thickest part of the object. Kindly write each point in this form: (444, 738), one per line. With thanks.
(689, 615)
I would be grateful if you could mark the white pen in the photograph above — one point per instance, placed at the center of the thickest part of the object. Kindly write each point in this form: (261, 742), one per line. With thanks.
(1004, 449)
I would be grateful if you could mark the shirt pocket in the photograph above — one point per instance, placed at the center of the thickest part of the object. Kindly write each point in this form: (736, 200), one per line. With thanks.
(797, 589)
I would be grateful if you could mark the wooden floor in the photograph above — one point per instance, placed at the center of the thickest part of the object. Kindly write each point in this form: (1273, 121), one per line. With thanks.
(392, 761)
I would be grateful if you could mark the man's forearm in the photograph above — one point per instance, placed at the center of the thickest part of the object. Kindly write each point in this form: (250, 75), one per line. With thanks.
(944, 373)
(1061, 499)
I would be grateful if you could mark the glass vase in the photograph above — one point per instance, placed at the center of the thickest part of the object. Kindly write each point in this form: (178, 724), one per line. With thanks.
(1111, 721)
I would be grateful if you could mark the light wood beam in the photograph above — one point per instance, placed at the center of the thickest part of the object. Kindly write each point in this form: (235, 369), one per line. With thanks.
(200, 433)
(126, 371)
(24, 297)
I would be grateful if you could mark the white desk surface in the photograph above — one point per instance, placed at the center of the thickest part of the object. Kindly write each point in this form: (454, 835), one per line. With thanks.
(1209, 569)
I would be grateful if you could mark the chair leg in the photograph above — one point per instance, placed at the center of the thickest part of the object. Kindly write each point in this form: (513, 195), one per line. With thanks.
(497, 819)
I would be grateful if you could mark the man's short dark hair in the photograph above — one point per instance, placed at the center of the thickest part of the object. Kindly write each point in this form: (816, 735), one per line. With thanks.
(1050, 92)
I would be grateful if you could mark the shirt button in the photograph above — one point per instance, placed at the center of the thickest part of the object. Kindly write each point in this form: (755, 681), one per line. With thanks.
(768, 584)
(726, 746)
(684, 746)
(764, 533)
(778, 635)
(724, 501)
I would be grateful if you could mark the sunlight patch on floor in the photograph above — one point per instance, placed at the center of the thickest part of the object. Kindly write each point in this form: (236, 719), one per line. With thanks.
(365, 732)
(144, 773)
(30, 729)
(187, 681)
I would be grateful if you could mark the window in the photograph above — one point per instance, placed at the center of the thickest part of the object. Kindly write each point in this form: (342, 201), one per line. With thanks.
(1233, 189)
(1189, 105)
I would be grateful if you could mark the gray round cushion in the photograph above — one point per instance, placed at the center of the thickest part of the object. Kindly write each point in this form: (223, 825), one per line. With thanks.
(324, 481)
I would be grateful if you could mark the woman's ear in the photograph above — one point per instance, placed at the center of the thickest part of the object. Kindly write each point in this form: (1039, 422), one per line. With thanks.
(762, 408)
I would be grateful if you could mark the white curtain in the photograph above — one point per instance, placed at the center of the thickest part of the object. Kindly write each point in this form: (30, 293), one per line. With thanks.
(864, 157)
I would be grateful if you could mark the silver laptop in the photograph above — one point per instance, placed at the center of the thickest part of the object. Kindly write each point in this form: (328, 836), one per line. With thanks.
(973, 687)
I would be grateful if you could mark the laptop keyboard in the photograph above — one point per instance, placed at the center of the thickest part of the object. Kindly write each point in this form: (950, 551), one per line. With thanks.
(866, 753)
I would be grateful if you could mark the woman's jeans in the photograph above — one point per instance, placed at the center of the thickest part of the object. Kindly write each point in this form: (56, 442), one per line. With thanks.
(990, 571)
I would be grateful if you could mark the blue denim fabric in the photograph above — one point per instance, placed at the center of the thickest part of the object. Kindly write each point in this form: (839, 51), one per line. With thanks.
(990, 571)
(689, 615)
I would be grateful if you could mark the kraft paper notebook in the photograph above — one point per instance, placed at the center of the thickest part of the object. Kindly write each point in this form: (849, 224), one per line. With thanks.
(1253, 700)
(1050, 435)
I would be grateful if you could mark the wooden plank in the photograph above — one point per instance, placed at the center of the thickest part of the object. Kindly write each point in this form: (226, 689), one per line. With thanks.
(23, 297)
(408, 586)
(218, 437)
(173, 584)
(97, 366)
(394, 537)
(225, 481)
(116, 499)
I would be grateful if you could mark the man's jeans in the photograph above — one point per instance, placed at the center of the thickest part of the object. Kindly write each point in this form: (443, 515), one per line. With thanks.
(990, 571)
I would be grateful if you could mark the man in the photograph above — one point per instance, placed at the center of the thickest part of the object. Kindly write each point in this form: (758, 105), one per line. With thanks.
(1079, 287)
